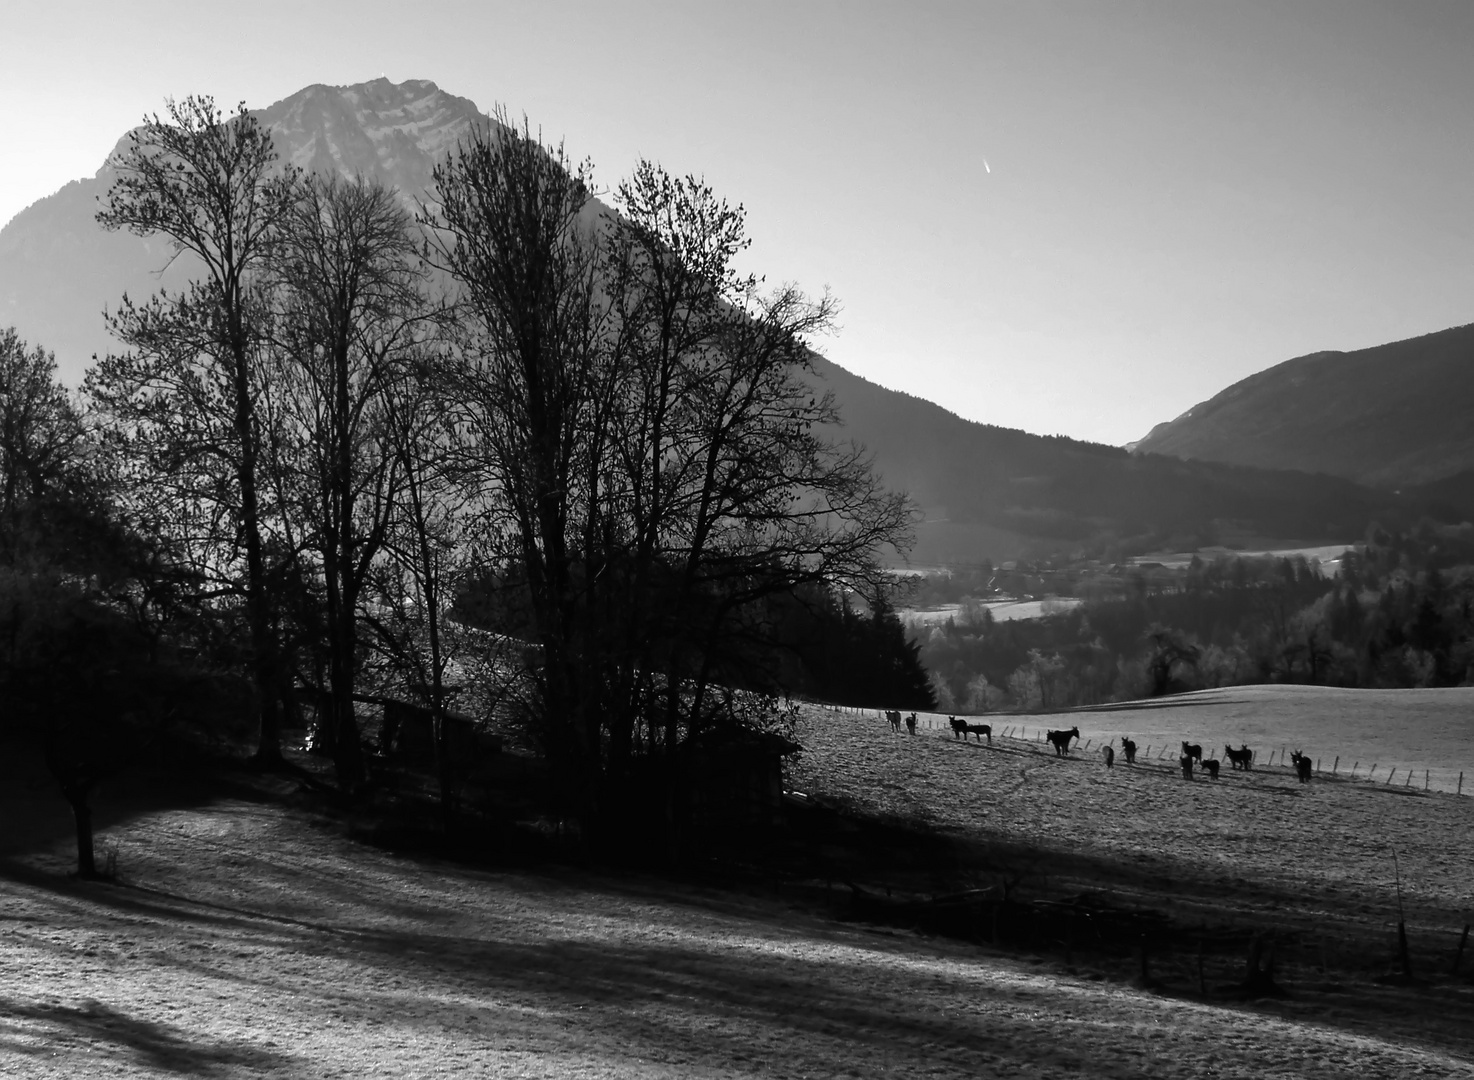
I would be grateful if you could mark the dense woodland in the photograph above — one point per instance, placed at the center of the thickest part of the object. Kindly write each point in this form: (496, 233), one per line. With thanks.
(584, 433)
(1400, 613)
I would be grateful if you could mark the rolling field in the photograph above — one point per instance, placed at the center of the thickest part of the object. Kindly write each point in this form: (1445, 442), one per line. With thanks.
(1419, 731)
(250, 936)
(1329, 839)
(1003, 610)
(1423, 731)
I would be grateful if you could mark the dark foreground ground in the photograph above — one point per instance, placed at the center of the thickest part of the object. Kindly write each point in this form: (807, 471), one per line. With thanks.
(250, 934)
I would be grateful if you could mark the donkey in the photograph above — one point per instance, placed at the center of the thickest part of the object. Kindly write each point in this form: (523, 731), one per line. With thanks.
(1109, 755)
(1209, 766)
(1193, 751)
(1061, 740)
(911, 723)
(1303, 766)
(1128, 747)
(980, 730)
(1242, 758)
(959, 727)
(894, 716)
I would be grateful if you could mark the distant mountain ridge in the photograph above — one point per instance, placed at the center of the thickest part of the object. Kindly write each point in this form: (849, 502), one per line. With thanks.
(1009, 493)
(1391, 416)
(986, 491)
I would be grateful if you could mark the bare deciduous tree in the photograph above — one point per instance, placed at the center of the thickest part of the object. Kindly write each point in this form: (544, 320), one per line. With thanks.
(347, 284)
(183, 402)
(41, 436)
(644, 425)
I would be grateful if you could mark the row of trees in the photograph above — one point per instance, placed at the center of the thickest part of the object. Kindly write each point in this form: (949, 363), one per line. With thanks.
(359, 406)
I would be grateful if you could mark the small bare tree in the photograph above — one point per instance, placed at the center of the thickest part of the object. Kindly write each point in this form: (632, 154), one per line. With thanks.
(41, 434)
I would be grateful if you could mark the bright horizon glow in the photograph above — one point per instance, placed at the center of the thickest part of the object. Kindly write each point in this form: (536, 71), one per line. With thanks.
(1189, 196)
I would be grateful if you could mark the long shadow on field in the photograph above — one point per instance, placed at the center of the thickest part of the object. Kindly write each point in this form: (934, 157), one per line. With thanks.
(45, 1030)
(166, 906)
(706, 991)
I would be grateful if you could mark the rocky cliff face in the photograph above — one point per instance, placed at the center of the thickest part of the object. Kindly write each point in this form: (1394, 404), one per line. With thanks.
(59, 270)
(395, 132)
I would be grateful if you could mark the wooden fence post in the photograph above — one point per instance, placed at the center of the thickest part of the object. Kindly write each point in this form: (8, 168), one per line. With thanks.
(1335, 764)
(1373, 771)
(1461, 783)
(1391, 775)
(1425, 779)
(1353, 770)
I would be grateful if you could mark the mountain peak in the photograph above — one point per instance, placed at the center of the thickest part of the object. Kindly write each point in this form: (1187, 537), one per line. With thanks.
(59, 270)
(392, 131)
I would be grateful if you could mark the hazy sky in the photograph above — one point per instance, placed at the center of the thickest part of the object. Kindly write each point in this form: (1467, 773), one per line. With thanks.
(1180, 194)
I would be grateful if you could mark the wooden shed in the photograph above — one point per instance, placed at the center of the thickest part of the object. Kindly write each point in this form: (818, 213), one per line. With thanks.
(408, 734)
(737, 778)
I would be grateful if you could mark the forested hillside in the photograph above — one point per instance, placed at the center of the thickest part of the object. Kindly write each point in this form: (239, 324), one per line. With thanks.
(1393, 415)
(1399, 614)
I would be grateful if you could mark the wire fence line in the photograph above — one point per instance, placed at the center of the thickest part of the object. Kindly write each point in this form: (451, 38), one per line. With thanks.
(1019, 732)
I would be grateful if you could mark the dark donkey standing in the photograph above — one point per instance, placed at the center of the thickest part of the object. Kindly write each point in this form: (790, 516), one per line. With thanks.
(959, 727)
(1128, 748)
(1302, 766)
(980, 730)
(1194, 751)
(1241, 758)
(1061, 740)
(911, 723)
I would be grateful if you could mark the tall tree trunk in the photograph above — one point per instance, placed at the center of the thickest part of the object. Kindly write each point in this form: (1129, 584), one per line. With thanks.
(82, 813)
(348, 759)
(258, 610)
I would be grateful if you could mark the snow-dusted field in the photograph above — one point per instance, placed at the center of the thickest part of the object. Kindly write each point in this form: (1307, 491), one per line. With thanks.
(1412, 737)
(1003, 610)
(251, 939)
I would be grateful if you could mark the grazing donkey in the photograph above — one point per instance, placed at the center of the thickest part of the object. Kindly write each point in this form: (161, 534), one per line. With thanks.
(1302, 766)
(1061, 740)
(1194, 751)
(1128, 747)
(911, 723)
(1187, 766)
(1242, 758)
(1209, 766)
(1110, 756)
(959, 727)
(980, 730)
